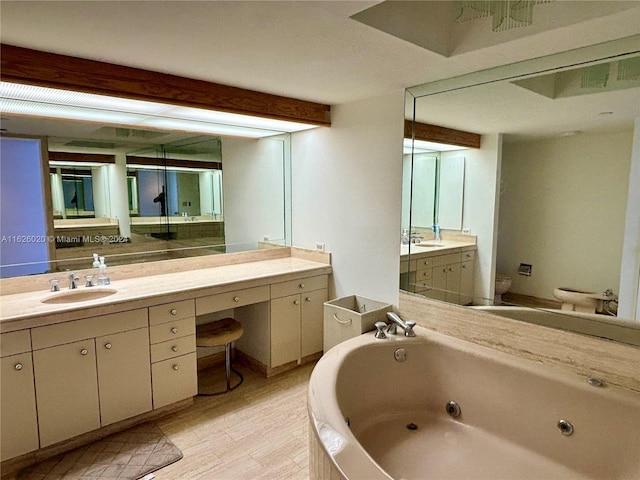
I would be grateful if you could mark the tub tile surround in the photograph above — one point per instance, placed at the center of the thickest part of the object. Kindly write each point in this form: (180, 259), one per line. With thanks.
(616, 363)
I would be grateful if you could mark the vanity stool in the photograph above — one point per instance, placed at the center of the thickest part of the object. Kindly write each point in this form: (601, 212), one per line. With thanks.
(216, 334)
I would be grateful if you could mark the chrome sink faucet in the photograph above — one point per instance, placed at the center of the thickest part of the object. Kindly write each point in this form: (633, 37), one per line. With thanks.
(73, 281)
(395, 321)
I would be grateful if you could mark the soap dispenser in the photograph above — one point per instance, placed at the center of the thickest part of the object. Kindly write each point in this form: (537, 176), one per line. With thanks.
(96, 263)
(102, 273)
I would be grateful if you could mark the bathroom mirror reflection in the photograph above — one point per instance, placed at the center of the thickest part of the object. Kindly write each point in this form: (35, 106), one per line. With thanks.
(136, 196)
(546, 197)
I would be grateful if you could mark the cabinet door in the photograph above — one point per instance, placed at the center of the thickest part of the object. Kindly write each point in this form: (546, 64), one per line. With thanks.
(466, 283)
(18, 419)
(452, 294)
(285, 330)
(66, 391)
(439, 283)
(124, 375)
(311, 322)
(174, 379)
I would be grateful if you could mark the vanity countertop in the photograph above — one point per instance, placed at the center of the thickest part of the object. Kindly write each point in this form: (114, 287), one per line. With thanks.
(430, 248)
(26, 310)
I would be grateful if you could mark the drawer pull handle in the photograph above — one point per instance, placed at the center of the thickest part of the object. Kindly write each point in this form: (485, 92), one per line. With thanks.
(301, 285)
(426, 263)
(84, 351)
(174, 311)
(176, 367)
(18, 366)
(343, 322)
(236, 299)
(296, 302)
(107, 346)
(174, 330)
(174, 349)
(308, 299)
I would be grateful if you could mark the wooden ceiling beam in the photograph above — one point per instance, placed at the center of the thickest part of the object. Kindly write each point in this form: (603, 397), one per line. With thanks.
(34, 67)
(434, 133)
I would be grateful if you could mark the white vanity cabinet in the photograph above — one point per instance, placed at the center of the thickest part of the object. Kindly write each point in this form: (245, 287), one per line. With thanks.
(446, 277)
(91, 373)
(466, 277)
(18, 419)
(173, 352)
(297, 319)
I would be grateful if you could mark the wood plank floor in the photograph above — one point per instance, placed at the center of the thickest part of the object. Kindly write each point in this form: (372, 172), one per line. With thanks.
(258, 431)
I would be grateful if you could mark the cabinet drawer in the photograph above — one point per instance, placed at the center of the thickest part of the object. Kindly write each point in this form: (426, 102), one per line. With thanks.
(173, 348)
(171, 330)
(170, 312)
(407, 266)
(15, 342)
(468, 255)
(446, 259)
(61, 333)
(424, 274)
(236, 298)
(292, 287)
(174, 379)
(425, 262)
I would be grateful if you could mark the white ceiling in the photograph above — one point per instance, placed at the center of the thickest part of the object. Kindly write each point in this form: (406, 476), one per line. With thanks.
(310, 50)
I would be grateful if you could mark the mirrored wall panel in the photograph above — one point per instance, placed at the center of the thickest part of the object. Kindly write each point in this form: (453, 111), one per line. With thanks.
(135, 196)
(547, 205)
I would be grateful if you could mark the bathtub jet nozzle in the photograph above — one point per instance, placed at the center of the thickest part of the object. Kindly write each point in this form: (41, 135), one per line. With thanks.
(453, 409)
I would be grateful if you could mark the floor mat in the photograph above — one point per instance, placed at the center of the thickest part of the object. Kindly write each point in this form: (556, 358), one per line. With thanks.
(129, 455)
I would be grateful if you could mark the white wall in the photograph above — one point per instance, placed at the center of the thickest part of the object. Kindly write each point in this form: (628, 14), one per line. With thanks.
(118, 193)
(563, 211)
(253, 189)
(482, 173)
(347, 183)
(629, 306)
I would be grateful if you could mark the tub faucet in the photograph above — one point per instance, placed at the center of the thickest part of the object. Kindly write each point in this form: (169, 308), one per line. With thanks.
(396, 321)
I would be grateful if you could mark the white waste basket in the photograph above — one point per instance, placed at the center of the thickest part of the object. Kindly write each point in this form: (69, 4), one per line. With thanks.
(350, 316)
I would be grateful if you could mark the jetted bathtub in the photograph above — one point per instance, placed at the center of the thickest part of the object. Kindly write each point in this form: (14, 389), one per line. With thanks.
(435, 407)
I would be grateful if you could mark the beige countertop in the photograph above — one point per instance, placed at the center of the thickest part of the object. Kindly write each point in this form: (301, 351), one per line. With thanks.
(26, 310)
(430, 248)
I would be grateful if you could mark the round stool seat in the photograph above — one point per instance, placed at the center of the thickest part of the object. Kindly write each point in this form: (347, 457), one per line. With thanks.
(218, 333)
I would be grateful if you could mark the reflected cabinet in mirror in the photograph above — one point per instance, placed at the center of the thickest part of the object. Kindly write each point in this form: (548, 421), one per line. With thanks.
(548, 217)
(134, 195)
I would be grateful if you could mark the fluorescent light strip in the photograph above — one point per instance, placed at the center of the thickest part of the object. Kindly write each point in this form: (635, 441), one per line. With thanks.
(68, 164)
(424, 146)
(55, 103)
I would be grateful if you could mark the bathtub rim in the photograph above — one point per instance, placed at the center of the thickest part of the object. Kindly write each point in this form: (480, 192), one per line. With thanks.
(352, 461)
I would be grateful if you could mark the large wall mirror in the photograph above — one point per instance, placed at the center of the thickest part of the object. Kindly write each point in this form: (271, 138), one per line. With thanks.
(546, 198)
(135, 195)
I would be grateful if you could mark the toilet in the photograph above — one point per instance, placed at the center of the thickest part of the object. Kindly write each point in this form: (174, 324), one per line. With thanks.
(503, 283)
(576, 300)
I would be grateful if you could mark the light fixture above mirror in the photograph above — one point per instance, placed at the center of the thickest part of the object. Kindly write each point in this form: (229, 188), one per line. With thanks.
(18, 99)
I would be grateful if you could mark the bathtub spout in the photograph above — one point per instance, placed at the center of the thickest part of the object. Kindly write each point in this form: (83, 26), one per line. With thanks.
(398, 322)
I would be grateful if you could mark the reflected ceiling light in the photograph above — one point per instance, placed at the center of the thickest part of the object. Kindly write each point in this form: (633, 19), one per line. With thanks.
(53, 103)
(506, 14)
(67, 164)
(418, 146)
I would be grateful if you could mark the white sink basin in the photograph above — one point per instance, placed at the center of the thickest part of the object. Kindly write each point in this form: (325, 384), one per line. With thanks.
(81, 295)
(428, 245)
